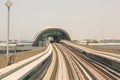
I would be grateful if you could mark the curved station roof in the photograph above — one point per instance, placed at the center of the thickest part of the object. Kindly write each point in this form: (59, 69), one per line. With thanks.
(54, 33)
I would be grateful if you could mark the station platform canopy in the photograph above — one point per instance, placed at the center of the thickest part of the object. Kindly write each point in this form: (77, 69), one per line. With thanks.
(52, 33)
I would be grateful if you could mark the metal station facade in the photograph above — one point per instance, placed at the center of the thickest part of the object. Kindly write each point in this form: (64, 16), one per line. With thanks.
(52, 33)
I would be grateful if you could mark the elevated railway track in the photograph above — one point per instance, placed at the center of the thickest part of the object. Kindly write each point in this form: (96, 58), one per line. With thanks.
(70, 62)
(85, 67)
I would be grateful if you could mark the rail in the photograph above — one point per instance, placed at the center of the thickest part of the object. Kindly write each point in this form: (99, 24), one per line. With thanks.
(109, 59)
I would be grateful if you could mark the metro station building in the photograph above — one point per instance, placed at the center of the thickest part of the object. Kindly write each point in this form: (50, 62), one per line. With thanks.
(51, 33)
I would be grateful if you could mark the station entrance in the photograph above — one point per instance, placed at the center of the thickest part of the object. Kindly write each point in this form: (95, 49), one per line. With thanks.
(53, 34)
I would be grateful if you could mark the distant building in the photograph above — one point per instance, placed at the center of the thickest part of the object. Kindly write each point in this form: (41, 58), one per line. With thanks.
(2, 41)
(16, 46)
(110, 41)
(83, 42)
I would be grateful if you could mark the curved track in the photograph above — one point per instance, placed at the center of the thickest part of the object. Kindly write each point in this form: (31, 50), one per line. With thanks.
(76, 66)
(67, 63)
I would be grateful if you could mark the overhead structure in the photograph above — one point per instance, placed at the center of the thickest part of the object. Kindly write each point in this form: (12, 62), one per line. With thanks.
(51, 33)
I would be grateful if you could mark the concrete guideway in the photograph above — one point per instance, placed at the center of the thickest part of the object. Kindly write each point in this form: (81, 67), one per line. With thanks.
(70, 64)
(21, 72)
(111, 56)
(58, 69)
(113, 62)
(76, 73)
(109, 59)
(65, 63)
(85, 66)
(49, 74)
(62, 68)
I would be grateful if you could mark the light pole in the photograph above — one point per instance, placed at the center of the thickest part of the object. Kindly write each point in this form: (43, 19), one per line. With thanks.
(8, 4)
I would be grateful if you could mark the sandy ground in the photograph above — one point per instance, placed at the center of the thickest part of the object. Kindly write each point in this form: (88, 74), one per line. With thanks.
(116, 51)
(9, 59)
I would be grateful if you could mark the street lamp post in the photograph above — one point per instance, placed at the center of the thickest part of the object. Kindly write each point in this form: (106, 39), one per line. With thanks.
(8, 4)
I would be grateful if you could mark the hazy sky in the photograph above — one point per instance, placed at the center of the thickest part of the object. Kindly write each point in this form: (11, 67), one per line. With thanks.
(81, 18)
